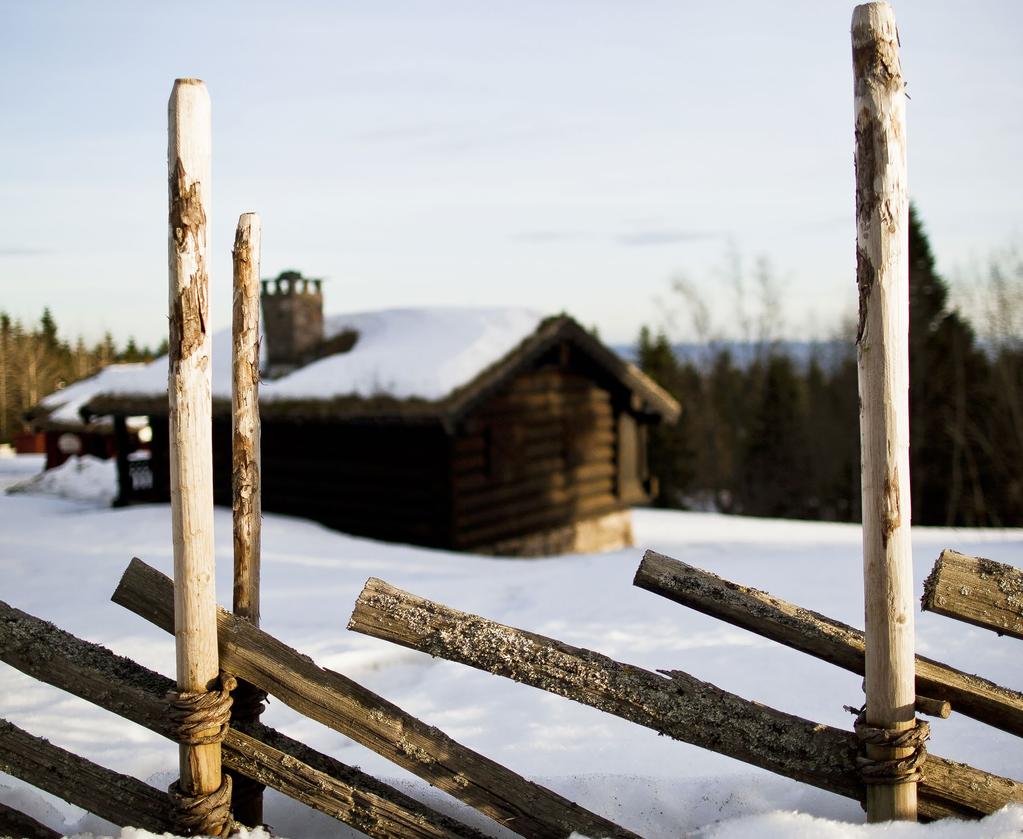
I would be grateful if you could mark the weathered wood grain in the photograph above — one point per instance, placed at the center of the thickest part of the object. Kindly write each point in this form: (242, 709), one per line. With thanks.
(882, 342)
(245, 442)
(246, 488)
(336, 701)
(975, 590)
(679, 706)
(189, 391)
(87, 670)
(822, 637)
(120, 799)
(14, 823)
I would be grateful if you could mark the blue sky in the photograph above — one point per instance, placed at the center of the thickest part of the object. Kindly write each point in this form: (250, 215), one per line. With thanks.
(561, 155)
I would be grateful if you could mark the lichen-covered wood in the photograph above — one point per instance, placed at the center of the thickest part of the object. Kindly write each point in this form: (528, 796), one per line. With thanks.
(336, 701)
(87, 670)
(975, 590)
(120, 799)
(820, 636)
(679, 706)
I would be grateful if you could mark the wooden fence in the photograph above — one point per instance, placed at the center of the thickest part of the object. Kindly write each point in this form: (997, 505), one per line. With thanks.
(670, 702)
(687, 709)
(214, 645)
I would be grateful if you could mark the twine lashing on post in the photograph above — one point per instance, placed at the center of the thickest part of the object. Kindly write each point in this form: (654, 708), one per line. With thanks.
(904, 770)
(194, 713)
(249, 703)
(202, 815)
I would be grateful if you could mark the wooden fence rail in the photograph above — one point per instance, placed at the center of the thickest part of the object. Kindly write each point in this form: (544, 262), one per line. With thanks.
(820, 636)
(41, 650)
(980, 591)
(120, 799)
(679, 706)
(521, 806)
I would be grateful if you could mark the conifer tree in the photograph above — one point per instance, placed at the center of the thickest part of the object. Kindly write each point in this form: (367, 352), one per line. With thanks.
(670, 452)
(948, 395)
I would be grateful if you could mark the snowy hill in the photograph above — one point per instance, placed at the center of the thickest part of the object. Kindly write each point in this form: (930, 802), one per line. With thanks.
(60, 560)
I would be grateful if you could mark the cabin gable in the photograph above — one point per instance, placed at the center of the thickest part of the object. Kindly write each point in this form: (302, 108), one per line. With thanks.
(557, 446)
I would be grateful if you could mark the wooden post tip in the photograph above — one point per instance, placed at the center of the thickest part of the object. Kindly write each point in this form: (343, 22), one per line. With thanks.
(873, 17)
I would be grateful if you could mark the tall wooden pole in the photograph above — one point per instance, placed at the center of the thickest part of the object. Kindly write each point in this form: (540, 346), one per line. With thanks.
(882, 274)
(191, 445)
(245, 478)
(247, 505)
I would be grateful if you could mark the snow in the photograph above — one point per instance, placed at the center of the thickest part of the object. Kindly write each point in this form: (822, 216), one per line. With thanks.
(60, 559)
(15, 468)
(64, 404)
(82, 478)
(425, 353)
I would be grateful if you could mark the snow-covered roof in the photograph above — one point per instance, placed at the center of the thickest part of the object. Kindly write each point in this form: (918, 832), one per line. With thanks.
(423, 353)
(62, 406)
(408, 361)
(408, 353)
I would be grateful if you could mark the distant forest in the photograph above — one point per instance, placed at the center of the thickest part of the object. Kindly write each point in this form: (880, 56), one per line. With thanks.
(772, 431)
(35, 361)
(775, 435)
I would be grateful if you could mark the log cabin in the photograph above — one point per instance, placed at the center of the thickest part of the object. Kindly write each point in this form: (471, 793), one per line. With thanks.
(487, 430)
(57, 419)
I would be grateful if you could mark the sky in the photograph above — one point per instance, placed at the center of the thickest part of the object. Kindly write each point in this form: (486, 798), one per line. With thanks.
(568, 156)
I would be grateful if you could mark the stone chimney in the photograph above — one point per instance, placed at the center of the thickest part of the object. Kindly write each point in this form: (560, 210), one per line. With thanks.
(292, 321)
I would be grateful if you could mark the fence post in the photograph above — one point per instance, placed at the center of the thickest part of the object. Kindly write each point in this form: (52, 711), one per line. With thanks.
(191, 449)
(882, 275)
(245, 479)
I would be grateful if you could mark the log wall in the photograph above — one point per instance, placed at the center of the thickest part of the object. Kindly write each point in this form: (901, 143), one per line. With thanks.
(553, 448)
(539, 455)
(384, 481)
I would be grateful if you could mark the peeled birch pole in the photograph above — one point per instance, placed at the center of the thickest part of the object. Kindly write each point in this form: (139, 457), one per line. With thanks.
(191, 445)
(882, 275)
(247, 797)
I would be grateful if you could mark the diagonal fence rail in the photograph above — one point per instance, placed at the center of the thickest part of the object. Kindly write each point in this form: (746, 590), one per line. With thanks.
(672, 703)
(94, 673)
(520, 805)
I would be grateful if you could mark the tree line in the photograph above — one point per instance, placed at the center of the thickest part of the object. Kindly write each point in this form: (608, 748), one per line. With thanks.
(779, 435)
(35, 361)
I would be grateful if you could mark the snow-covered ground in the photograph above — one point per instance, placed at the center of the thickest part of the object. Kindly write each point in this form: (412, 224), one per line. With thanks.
(60, 559)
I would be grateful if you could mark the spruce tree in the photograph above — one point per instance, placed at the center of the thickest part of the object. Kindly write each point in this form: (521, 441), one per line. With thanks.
(774, 477)
(949, 393)
(670, 453)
